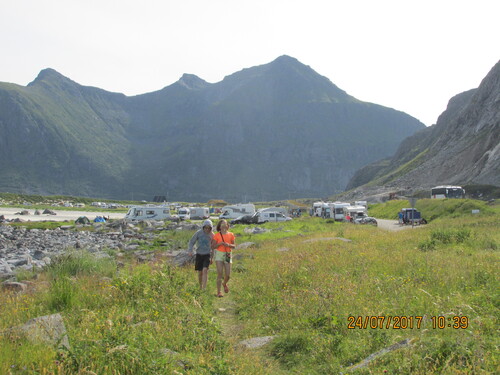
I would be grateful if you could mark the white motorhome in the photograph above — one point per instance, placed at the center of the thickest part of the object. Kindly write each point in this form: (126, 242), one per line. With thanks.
(199, 213)
(316, 208)
(355, 212)
(138, 213)
(281, 210)
(237, 210)
(338, 210)
(271, 216)
(184, 213)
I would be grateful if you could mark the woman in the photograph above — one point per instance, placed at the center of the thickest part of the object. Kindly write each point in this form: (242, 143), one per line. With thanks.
(223, 245)
(204, 252)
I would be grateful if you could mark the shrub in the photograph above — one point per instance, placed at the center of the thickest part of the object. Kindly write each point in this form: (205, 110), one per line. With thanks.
(427, 245)
(76, 263)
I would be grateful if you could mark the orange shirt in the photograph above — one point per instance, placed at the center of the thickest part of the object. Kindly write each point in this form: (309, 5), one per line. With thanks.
(228, 238)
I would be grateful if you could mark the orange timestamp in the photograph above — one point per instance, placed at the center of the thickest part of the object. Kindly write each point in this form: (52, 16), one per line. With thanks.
(384, 322)
(406, 322)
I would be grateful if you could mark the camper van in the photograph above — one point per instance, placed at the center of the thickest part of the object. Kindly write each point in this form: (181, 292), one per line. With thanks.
(138, 213)
(316, 208)
(355, 212)
(237, 210)
(199, 213)
(184, 213)
(281, 210)
(338, 210)
(271, 216)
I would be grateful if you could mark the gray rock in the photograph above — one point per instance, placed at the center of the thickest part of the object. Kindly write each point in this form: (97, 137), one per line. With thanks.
(256, 342)
(380, 353)
(245, 245)
(182, 259)
(283, 249)
(14, 286)
(49, 329)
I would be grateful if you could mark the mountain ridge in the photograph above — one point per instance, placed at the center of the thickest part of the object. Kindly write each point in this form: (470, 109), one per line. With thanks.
(272, 131)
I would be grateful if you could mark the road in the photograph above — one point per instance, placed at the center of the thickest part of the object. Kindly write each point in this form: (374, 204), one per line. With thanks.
(61, 215)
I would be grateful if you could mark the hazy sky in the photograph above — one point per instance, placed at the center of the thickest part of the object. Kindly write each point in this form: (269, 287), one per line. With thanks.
(411, 55)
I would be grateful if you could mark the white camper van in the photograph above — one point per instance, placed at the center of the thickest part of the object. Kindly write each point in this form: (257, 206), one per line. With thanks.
(281, 210)
(355, 212)
(138, 213)
(199, 213)
(316, 208)
(184, 213)
(271, 216)
(237, 210)
(338, 210)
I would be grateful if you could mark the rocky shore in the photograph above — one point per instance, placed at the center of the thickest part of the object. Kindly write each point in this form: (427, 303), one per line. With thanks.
(22, 248)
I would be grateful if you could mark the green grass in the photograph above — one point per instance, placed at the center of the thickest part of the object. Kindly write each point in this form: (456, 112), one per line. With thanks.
(152, 318)
(432, 209)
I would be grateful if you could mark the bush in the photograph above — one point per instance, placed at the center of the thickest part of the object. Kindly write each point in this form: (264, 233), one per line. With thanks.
(76, 263)
(427, 245)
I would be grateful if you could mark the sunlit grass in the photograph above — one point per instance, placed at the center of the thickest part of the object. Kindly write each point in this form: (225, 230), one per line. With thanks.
(153, 319)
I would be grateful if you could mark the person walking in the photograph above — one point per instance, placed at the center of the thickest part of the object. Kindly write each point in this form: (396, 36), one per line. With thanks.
(204, 251)
(223, 245)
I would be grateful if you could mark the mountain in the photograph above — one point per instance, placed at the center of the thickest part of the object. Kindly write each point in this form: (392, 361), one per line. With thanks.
(268, 132)
(463, 148)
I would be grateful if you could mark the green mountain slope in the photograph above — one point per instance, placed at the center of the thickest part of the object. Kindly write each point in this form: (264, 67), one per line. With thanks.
(268, 132)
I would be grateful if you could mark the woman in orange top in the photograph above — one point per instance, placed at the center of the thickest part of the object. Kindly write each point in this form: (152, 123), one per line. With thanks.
(223, 245)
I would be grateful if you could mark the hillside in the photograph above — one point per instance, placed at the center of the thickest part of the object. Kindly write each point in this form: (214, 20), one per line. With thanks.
(268, 132)
(463, 148)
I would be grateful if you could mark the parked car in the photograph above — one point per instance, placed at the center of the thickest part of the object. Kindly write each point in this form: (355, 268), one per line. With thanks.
(366, 220)
(245, 219)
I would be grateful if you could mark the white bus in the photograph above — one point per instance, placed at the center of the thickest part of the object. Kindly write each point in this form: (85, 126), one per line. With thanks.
(447, 191)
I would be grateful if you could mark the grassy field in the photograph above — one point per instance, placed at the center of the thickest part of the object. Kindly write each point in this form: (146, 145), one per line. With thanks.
(331, 294)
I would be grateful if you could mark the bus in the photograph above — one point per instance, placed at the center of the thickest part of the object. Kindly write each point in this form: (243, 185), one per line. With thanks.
(447, 191)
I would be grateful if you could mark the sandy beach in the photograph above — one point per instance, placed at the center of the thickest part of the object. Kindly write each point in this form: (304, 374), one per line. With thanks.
(61, 215)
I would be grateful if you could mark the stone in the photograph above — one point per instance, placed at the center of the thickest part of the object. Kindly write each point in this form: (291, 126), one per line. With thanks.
(256, 342)
(182, 259)
(49, 329)
(245, 245)
(14, 286)
(380, 353)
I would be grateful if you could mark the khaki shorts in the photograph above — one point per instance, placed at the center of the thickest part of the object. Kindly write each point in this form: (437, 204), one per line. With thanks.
(220, 256)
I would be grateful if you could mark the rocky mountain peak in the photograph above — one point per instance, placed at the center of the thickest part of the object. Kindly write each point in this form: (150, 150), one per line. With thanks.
(192, 82)
(50, 75)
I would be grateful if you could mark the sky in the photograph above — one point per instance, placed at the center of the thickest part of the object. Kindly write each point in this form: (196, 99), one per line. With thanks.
(410, 55)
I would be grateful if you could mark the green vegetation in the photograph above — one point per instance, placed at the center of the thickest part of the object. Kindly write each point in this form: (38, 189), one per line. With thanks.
(303, 283)
(432, 209)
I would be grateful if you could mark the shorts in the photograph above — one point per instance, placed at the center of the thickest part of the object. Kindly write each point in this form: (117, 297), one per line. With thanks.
(221, 256)
(201, 261)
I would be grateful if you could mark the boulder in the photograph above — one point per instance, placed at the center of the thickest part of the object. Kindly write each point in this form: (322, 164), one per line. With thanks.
(48, 329)
(182, 258)
(14, 286)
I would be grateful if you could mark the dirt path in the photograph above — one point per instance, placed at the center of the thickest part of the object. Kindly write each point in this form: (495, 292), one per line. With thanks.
(225, 309)
(393, 225)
